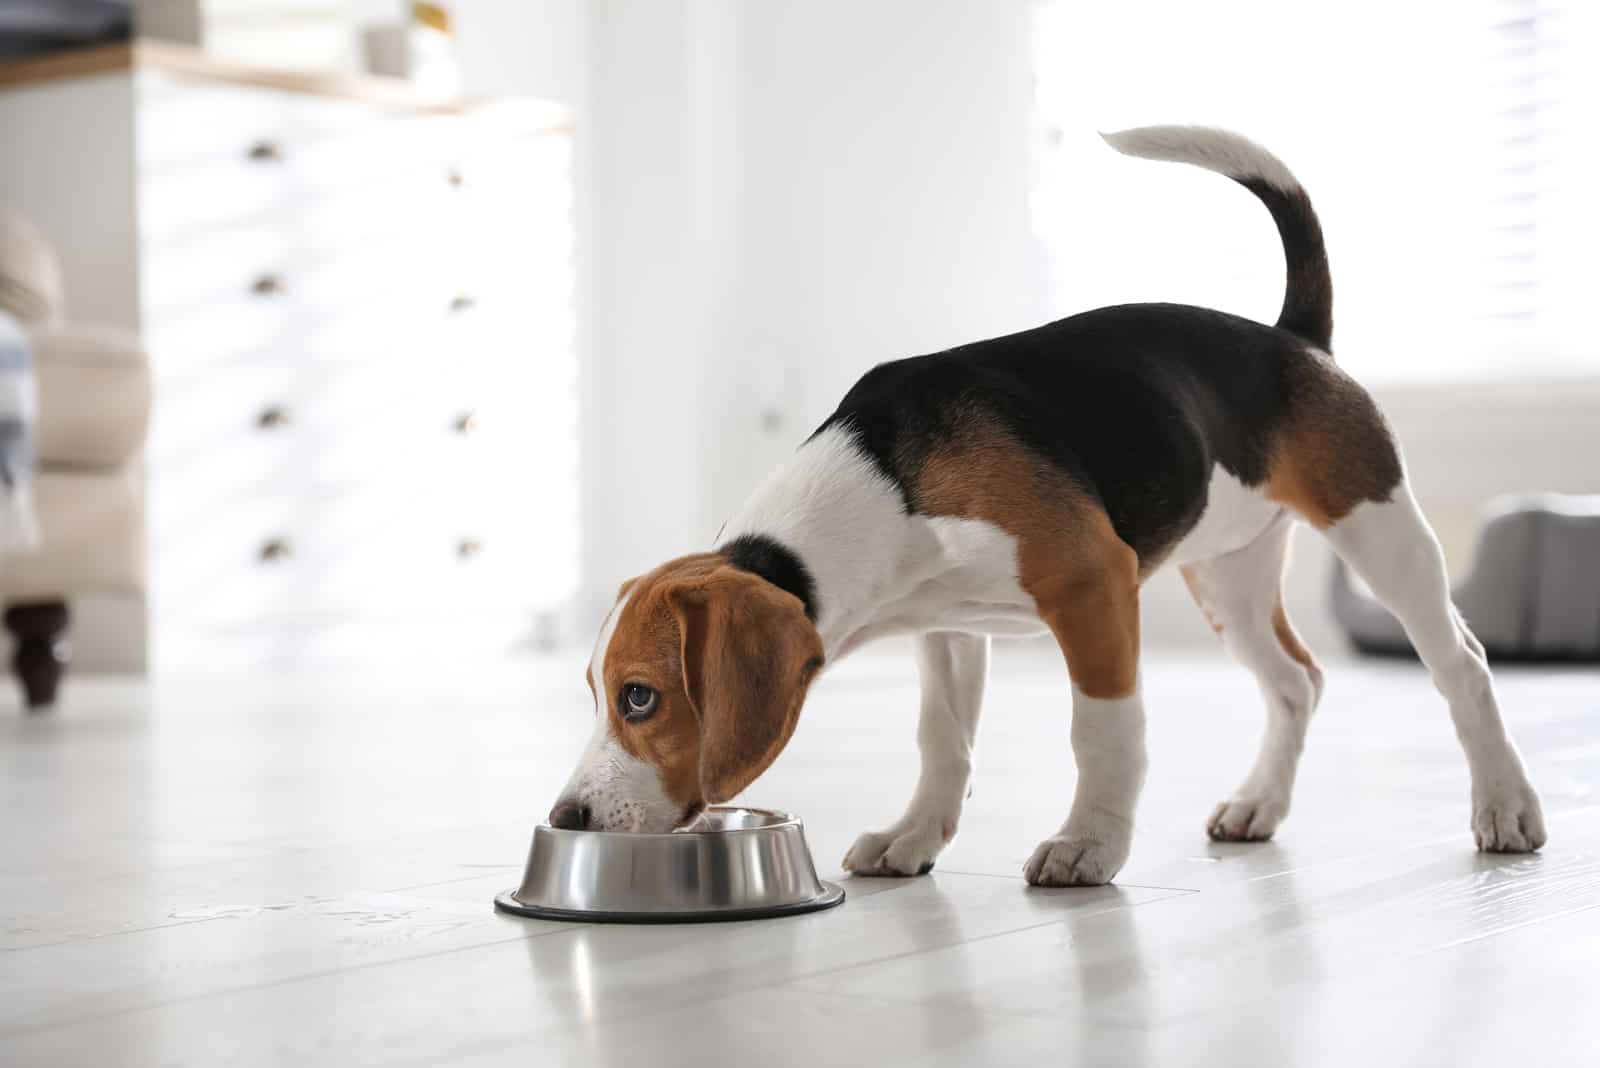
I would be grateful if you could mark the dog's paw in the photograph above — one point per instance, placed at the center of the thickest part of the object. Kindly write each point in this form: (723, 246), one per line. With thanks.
(898, 850)
(1508, 820)
(1246, 819)
(1074, 860)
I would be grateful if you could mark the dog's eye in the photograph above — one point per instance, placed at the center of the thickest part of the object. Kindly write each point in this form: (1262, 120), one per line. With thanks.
(638, 701)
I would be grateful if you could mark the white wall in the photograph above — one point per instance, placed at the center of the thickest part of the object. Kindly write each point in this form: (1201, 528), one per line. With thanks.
(889, 177)
(523, 47)
(775, 197)
(664, 313)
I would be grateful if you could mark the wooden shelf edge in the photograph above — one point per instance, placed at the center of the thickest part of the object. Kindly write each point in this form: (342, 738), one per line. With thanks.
(188, 62)
(76, 63)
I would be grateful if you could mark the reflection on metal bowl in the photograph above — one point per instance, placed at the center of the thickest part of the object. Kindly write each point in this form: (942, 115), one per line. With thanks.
(735, 864)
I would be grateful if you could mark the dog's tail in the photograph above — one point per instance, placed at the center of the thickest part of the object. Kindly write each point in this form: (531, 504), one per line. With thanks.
(1308, 296)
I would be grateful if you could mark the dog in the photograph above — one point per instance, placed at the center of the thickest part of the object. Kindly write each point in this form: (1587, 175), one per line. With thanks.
(1032, 483)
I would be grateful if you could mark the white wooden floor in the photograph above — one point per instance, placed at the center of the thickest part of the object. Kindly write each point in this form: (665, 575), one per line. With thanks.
(299, 871)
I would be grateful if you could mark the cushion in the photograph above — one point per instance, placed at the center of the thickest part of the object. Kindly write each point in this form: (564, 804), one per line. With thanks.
(91, 538)
(94, 396)
(1534, 590)
(30, 275)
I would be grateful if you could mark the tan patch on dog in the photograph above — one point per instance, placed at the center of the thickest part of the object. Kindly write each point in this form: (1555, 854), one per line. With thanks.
(749, 654)
(731, 657)
(1084, 580)
(1290, 639)
(1334, 450)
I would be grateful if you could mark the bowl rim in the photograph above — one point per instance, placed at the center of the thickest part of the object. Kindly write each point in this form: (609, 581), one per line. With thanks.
(832, 894)
(784, 819)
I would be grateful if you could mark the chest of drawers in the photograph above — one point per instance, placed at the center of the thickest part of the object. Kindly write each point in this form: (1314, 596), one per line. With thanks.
(359, 311)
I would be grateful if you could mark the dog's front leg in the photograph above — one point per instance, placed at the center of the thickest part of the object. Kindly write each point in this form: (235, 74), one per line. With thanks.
(1093, 611)
(1108, 746)
(952, 668)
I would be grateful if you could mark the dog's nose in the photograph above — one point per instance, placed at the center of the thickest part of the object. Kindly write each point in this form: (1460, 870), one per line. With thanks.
(571, 816)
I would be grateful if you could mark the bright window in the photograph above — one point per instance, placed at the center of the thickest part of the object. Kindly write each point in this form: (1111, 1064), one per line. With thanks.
(1452, 150)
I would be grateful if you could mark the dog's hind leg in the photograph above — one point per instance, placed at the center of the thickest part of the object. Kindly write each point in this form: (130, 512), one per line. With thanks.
(953, 668)
(1336, 463)
(1241, 595)
(1389, 544)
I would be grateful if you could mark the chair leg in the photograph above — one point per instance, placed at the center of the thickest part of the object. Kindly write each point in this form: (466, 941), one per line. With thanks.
(41, 656)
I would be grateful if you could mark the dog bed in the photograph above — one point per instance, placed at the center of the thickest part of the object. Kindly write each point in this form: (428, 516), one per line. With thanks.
(1534, 591)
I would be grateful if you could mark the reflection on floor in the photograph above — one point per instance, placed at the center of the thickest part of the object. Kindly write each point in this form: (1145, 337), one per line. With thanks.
(298, 871)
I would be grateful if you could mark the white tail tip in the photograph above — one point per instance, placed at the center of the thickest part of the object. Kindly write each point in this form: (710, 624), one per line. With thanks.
(1203, 146)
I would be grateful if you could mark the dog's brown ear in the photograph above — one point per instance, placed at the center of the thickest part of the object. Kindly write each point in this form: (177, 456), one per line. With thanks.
(749, 654)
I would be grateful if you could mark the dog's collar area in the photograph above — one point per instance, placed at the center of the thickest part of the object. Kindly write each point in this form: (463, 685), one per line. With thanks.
(775, 562)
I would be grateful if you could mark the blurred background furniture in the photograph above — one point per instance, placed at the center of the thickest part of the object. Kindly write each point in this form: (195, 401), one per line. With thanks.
(359, 309)
(31, 27)
(1533, 592)
(94, 401)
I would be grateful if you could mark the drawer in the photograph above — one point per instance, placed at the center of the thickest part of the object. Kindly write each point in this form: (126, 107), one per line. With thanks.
(444, 333)
(272, 289)
(464, 641)
(437, 465)
(269, 295)
(358, 270)
(213, 154)
(251, 423)
(372, 239)
(276, 151)
(217, 201)
(352, 556)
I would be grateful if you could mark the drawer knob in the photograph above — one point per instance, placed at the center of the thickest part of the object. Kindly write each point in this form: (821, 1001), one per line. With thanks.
(465, 423)
(275, 549)
(467, 548)
(273, 418)
(454, 177)
(463, 302)
(268, 285)
(265, 152)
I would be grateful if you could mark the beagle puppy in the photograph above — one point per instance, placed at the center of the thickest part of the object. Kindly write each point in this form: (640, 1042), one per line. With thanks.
(1032, 483)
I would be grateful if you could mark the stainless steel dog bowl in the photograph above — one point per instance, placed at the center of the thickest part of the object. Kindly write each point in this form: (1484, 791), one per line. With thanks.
(736, 864)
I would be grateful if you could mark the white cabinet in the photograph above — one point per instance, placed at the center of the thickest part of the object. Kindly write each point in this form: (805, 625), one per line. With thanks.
(360, 314)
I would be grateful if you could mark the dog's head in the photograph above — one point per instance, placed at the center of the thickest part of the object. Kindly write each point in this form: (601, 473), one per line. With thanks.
(698, 678)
